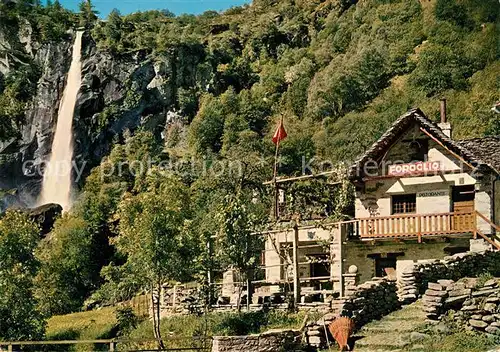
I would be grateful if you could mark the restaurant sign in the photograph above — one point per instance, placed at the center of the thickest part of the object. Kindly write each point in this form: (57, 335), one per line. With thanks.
(417, 168)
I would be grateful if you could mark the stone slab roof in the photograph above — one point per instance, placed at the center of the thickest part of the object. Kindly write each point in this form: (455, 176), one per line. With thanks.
(478, 155)
(485, 148)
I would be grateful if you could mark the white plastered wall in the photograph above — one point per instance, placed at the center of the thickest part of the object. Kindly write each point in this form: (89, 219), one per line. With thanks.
(433, 191)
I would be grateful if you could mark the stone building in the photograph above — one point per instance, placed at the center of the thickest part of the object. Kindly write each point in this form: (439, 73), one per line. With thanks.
(418, 194)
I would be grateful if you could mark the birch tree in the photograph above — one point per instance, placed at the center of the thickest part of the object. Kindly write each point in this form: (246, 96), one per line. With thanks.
(152, 237)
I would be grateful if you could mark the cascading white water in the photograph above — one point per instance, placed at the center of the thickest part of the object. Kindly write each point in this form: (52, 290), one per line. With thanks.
(56, 186)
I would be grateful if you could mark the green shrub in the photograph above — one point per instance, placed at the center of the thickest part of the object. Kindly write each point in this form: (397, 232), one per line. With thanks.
(241, 324)
(481, 279)
(441, 67)
(450, 10)
(127, 319)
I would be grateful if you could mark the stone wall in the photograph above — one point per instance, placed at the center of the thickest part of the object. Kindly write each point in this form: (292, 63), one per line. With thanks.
(370, 300)
(414, 277)
(358, 253)
(475, 307)
(269, 341)
(179, 299)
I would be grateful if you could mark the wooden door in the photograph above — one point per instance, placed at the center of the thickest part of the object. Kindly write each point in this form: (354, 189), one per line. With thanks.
(463, 202)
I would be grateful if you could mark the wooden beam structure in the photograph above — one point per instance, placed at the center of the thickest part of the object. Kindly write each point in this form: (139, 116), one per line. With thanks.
(298, 178)
(445, 147)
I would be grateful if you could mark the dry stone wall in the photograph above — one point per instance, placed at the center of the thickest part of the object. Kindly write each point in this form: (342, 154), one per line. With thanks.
(270, 341)
(434, 278)
(445, 294)
(368, 301)
(413, 280)
(475, 307)
(179, 299)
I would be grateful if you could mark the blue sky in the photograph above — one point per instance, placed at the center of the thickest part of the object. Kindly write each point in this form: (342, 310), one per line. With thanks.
(176, 6)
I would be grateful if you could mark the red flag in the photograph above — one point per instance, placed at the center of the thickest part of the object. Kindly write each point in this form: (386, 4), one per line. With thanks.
(280, 133)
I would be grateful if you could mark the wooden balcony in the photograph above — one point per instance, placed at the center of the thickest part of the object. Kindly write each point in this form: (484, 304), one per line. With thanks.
(417, 225)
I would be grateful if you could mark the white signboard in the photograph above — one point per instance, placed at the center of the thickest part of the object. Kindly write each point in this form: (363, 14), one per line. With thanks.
(418, 168)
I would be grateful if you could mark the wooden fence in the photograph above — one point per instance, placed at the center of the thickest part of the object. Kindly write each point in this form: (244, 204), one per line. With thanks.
(113, 345)
(417, 225)
(140, 305)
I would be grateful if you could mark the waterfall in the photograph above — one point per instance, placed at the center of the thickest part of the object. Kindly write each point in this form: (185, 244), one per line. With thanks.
(56, 186)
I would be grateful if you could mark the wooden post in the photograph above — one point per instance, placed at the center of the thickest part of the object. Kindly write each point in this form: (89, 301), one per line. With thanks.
(296, 279)
(210, 274)
(474, 216)
(419, 230)
(342, 231)
(174, 298)
(9, 348)
(249, 289)
(112, 346)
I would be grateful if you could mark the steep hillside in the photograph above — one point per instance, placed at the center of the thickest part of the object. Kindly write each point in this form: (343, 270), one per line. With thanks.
(187, 97)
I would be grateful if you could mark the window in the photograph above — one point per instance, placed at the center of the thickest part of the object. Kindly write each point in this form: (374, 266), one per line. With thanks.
(384, 261)
(463, 193)
(320, 267)
(403, 204)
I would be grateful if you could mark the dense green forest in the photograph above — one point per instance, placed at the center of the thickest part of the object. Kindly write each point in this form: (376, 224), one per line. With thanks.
(338, 71)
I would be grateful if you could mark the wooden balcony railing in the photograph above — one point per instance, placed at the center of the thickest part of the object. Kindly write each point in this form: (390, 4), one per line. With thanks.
(417, 225)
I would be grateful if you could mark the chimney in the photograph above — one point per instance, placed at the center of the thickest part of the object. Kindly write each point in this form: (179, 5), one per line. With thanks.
(444, 125)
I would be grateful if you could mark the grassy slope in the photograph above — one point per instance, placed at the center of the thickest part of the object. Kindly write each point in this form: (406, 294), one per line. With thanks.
(83, 325)
(102, 324)
(459, 342)
(90, 325)
(212, 324)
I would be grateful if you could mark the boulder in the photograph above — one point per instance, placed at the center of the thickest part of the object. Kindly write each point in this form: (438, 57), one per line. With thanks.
(432, 299)
(445, 282)
(418, 336)
(462, 292)
(484, 292)
(45, 216)
(492, 330)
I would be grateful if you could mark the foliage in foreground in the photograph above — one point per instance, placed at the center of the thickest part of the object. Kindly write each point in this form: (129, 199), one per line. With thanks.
(110, 322)
(460, 341)
(211, 324)
(67, 267)
(19, 317)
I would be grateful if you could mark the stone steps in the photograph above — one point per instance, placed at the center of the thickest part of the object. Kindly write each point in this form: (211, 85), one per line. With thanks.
(395, 332)
(411, 312)
(391, 325)
(370, 349)
(387, 341)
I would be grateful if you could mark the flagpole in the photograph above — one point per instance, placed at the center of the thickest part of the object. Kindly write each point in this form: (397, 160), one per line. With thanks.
(276, 212)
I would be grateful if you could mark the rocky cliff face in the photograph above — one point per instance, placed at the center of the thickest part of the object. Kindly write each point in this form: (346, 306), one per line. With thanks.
(127, 91)
(117, 93)
(34, 140)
